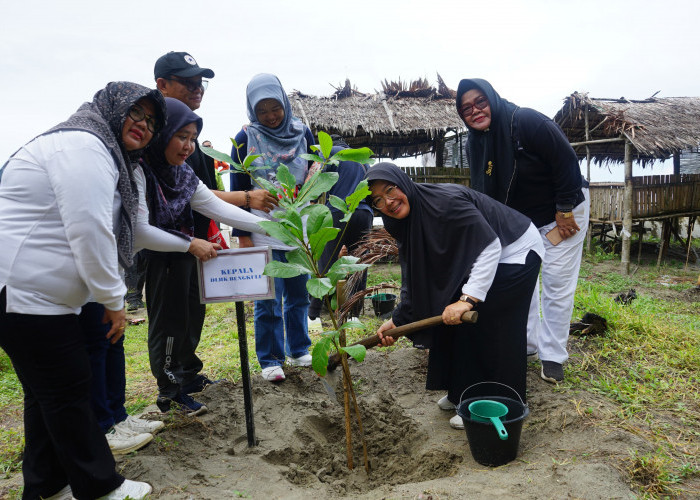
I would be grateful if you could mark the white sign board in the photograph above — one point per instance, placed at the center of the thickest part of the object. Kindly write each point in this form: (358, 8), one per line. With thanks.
(236, 275)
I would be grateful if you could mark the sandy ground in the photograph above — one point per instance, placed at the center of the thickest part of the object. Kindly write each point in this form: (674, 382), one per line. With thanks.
(413, 451)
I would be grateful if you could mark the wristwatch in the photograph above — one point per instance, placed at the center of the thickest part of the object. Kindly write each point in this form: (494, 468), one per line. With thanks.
(566, 215)
(466, 298)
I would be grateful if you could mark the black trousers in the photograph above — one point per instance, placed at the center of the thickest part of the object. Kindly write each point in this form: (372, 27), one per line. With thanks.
(494, 349)
(134, 278)
(175, 320)
(63, 442)
(357, 226)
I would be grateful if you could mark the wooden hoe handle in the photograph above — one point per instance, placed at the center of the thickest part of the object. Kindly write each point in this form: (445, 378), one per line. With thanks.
(400, 331)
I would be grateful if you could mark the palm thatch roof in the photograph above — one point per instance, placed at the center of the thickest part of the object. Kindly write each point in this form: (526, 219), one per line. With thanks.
(403, 119)
(656, 127)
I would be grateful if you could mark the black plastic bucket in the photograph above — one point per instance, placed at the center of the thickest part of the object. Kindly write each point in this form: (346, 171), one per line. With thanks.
(383, 303)
(486, 446)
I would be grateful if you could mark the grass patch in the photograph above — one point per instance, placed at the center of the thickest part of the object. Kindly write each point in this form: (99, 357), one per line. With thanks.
(647, 364)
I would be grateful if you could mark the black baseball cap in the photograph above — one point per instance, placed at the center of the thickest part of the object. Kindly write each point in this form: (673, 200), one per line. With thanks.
(179, 64)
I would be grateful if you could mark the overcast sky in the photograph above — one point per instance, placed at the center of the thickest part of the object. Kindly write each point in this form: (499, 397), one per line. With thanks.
(57, 54)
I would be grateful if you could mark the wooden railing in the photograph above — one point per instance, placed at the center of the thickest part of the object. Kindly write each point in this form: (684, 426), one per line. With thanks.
(436, 175)
(654, 196)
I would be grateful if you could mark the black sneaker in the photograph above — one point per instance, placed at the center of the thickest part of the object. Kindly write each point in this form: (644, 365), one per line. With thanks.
(183, 403)
(552, 372)
(135, 305)
(198, 384)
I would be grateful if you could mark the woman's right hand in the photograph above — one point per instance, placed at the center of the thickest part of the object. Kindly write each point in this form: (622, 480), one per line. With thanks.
(261, 199)
(203, 249)
(385, 340)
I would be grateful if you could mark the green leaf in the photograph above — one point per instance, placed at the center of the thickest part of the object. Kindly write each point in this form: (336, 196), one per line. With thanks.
(361, 192)
(338, 203)
(344, 266)
(319, 355)
(356, 352)
(285, 177)
(278, 269)
(299, 258)
(292, 220)
(311, 157)
(277, 230)
(217, 155)
(318, 240)
(326, 143)
(318, 287)
(250, 159)
(267, 185)
(359, 155)
(319, 216)
(318, 184)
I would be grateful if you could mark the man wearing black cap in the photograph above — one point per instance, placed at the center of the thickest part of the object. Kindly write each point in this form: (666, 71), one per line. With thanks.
(178, 75)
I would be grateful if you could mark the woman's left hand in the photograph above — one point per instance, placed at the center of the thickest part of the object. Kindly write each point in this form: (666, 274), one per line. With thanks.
(202, 249)
(452, 315)
(118, 320)
(567, 226)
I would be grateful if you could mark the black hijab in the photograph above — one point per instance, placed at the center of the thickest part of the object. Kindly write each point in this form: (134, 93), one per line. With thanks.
(448, 227)
(493, 145)
(169, 188)
(104, 117)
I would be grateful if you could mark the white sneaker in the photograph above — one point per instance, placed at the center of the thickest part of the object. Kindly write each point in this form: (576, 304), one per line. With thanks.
(273, 374)
(64, 493)
(122, 441)
(129, 489)
(456, 422)
(140, 425)
(446, 404)
(304, 360)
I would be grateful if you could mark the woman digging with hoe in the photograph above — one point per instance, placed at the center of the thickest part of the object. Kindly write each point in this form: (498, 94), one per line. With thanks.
(460, 250)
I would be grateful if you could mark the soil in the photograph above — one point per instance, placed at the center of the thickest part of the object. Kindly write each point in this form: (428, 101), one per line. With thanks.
(567, 448)
(413, 452)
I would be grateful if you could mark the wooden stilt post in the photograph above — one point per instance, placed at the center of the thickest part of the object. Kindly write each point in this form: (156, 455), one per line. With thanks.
(627, 211)
(641, 238)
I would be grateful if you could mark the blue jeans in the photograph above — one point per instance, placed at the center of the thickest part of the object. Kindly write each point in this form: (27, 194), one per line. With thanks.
(271, 344)
(108, 384)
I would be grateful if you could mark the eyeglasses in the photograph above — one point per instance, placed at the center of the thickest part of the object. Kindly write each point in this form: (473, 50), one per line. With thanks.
(191, 85)
(137, 114)
(479, 103)
(380, 201)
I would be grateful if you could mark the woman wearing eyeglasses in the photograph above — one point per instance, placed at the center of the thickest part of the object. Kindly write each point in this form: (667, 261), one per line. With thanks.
(460, 250)
(68, 206)
(173, 191)
(521, 158)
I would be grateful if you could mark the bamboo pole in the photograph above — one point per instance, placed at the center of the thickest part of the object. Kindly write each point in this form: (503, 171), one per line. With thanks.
(597, 141)
(627, 211)
(589, 236)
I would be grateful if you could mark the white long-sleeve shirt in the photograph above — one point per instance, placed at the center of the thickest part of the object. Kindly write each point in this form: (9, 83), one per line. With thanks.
(57, 247)
(484, 268)
(202, 201)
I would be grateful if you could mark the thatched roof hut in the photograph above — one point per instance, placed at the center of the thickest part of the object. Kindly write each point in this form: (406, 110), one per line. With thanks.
(402, 120)
(657, 128)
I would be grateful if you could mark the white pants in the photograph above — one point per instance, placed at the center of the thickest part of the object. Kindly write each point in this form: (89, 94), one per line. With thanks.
(548, 333)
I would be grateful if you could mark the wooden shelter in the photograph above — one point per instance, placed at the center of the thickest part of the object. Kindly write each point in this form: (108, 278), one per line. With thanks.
(401, 120)
(623, 131)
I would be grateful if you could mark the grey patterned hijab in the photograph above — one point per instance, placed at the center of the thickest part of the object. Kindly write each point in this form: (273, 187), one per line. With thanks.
(104, 117)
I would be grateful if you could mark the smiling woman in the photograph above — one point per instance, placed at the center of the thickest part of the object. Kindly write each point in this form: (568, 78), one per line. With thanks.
(173, 191)
(70, 193)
